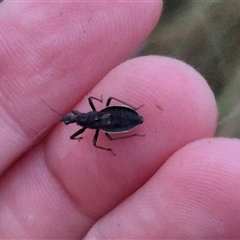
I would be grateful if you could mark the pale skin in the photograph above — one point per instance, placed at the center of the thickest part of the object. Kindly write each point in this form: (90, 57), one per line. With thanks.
(167, 184)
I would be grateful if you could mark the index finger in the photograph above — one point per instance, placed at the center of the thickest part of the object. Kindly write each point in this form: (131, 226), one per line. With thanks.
(58, 51)
(188, 112)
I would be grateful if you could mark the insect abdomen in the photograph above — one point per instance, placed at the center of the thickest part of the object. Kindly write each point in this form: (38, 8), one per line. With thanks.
(117, 119)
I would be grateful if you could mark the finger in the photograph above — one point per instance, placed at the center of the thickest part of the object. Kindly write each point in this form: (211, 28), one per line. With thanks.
(95, 180)
(57, 52)
(77, 184)
(194, 195)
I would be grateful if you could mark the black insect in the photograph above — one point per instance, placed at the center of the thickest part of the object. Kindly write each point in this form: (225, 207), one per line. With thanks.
(111, 120)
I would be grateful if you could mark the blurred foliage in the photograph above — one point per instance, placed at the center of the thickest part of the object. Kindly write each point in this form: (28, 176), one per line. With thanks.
(206, 35)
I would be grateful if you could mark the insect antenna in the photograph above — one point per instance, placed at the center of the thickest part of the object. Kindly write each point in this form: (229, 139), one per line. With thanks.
(51, 125)
(52, 108)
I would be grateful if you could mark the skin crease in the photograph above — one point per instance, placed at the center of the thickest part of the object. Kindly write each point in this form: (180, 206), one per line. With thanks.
(176, 182)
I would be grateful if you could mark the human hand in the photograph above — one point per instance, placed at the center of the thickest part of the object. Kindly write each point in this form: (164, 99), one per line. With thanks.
(167, 184)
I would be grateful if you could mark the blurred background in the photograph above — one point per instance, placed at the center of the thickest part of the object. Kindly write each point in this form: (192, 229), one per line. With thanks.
(206, 35)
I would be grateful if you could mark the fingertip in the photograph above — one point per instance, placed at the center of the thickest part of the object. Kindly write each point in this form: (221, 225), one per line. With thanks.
(195, 194)
(179, 106)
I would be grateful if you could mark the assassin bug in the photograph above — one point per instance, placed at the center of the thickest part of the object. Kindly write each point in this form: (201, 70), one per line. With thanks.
(111, 120)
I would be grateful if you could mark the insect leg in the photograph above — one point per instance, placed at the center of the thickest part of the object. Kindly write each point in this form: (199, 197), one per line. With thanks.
(113, 98)
(117, 138)
(74, 136)
(95, 138)
(91, 102)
